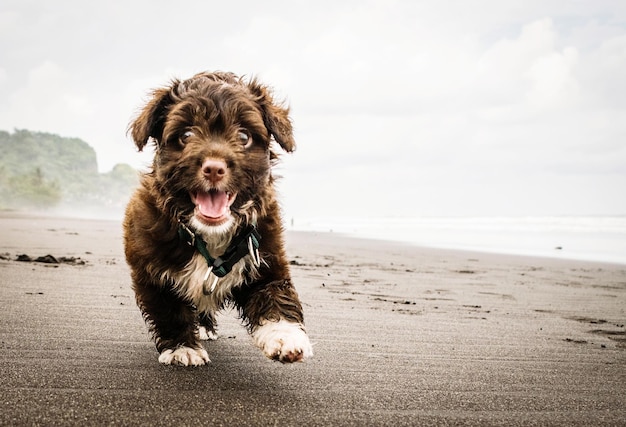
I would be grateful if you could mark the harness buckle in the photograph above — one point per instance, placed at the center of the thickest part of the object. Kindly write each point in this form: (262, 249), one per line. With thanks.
(206, 289)
(191, 236)
(254, 252)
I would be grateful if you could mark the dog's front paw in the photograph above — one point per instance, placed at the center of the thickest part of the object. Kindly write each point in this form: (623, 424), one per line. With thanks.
(283, 341)
(185, 356)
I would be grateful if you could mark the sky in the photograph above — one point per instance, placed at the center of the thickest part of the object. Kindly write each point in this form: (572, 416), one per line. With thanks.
(400, 108)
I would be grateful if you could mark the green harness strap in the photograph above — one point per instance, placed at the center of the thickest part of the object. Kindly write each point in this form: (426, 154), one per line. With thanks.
(247, 242)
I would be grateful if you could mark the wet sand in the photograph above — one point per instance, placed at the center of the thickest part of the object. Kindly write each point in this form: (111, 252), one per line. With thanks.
(402, 336)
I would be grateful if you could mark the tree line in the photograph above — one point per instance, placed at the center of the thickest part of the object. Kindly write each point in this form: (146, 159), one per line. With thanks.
(42, 171)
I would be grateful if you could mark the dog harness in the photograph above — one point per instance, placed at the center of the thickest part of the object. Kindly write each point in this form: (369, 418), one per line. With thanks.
(245, 243)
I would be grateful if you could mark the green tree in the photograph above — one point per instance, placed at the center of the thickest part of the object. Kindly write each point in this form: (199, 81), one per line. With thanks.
(31, 190)
(45, 170)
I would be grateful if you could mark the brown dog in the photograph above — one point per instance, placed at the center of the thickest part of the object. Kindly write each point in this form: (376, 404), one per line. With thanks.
(204, 230)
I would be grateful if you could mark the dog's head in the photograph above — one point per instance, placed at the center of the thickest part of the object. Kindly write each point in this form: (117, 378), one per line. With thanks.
(213, 135)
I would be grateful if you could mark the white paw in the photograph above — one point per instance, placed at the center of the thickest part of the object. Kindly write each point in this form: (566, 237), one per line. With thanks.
(283, 341)
(185, 356)
(206, 335)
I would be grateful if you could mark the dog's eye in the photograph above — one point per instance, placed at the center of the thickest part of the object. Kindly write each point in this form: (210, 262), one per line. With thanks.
(244, 137)
(186, 135)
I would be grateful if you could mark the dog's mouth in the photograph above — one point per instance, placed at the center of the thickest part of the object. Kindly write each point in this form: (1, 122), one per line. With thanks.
(213, 206)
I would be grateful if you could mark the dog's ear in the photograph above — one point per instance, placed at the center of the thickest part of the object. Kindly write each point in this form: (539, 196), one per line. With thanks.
(151, 120)
(275, 116)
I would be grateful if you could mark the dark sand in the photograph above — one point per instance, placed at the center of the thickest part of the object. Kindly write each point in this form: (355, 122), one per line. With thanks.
(403, 336)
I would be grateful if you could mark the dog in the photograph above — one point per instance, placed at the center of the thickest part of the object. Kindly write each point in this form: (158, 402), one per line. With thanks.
(203, 230)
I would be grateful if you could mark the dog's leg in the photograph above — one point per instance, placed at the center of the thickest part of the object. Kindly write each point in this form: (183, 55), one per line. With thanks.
(207, 329)
(173, 323)
(274, 316)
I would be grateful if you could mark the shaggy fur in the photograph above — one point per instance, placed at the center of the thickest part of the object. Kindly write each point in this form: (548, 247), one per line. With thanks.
(213, 136)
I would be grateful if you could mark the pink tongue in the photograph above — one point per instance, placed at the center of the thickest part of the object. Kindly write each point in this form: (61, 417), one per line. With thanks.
(213, 204)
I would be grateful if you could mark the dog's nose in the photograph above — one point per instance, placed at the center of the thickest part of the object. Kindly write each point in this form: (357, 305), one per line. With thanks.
(214, 170)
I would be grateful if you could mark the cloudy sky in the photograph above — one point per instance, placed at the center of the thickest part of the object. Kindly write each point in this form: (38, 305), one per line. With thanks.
(401, 108)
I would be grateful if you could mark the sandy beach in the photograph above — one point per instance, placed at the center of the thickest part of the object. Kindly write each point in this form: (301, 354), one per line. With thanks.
(403, 336)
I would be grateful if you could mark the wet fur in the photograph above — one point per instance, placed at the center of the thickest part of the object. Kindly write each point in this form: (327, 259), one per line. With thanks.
(166, 272)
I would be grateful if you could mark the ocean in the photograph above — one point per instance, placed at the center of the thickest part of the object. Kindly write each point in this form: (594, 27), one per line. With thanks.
(593, 238)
